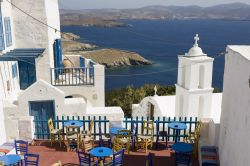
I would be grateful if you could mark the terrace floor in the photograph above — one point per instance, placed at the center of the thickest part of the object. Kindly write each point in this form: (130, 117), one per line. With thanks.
(50, 155)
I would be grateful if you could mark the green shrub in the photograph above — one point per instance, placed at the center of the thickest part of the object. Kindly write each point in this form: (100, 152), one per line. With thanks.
(125, 97)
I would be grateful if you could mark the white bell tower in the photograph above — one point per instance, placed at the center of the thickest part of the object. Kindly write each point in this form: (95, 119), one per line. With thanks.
(194, 87)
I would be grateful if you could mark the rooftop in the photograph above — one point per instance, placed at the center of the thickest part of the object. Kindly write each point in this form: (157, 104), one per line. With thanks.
(244, 50)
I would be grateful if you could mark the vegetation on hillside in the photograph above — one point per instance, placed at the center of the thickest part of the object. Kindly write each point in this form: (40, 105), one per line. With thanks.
(125, 97)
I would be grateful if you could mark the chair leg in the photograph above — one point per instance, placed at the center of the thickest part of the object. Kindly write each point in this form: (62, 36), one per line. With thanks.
(167, 142)
(157, 139)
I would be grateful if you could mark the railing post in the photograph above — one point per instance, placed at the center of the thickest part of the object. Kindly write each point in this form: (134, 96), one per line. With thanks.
(94, 128)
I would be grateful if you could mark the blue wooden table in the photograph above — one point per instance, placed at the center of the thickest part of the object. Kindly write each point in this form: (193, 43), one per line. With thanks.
(114, 130)
(177, 126)
(10, 159)
(101, 152)
(73, 123)
(182, 147)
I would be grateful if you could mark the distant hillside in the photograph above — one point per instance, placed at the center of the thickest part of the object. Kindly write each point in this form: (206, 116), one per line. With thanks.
(109, 17)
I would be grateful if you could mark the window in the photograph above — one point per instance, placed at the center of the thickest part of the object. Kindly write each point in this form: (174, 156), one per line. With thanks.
(2, 45)
(8, 35)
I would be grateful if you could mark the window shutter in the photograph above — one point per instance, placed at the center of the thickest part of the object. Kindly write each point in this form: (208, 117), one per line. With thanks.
(8, 35)
(2, 45)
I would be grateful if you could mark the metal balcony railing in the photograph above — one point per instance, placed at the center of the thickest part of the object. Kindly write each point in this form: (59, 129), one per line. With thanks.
(74, 76)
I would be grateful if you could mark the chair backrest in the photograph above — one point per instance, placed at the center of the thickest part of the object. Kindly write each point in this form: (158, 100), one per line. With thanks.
(50, 124)
(71, 130)
(118, 157)
(84, 158)
(182, 158)
(21, 147)
(148, 127)
(31, 159)
(118, 144)
(87, 144)
(133, 128)
(124, 134)
(100, 134)
(149, 161)
(91, 125)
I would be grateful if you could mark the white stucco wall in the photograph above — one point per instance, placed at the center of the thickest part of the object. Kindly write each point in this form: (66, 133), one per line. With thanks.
(235, 117)
(163, 106)
(94, 94)
(111, 113)
(30, 33)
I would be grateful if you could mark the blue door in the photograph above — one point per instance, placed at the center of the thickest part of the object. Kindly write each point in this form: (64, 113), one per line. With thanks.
(27, 73)
(42, 111)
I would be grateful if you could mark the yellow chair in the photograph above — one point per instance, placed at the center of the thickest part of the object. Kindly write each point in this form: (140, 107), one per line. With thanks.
(87, 144)
(72, 136)
(192, 135)
(88, 133)
(118, 144)
(54, 133)
(124, 137)
(144, 140)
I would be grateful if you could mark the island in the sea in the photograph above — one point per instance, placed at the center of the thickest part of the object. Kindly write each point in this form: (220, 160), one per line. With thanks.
(108, 57)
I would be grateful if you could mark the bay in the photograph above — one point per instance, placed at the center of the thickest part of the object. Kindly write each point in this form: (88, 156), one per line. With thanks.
(161, 41)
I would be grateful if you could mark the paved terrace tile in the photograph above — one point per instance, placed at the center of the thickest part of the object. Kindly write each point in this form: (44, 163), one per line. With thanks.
(49, 155)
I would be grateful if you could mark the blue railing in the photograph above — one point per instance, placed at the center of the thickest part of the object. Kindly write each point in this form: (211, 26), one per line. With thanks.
(42, 132)
(72, 76)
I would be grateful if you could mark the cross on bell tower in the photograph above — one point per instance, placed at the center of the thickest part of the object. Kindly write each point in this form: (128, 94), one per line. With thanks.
(196, 39)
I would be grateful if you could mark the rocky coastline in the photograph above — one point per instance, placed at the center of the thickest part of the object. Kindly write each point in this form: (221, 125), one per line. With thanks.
(108, 57)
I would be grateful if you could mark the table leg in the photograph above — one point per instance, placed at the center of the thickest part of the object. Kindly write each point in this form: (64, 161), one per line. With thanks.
(176, 135)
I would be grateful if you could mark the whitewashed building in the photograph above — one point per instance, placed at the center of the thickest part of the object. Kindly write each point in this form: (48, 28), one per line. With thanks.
(234, 132)
(34, 82)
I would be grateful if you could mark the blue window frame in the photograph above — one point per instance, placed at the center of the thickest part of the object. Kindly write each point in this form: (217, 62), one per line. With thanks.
(27, 73)
(57, 57)
(8, 35)
(14, 70)
(2, 45)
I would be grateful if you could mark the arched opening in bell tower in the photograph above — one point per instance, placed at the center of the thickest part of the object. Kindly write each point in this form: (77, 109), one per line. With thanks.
(201, 84)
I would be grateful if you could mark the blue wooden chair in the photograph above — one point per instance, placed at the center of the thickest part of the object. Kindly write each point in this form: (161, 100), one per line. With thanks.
(31, 159)
(182, 159)
(85, 159)
(149, 161)
(21, 148)
(103, 138)
(117, 159)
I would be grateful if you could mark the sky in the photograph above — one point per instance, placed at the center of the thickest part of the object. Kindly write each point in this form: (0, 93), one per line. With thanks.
(97, 4)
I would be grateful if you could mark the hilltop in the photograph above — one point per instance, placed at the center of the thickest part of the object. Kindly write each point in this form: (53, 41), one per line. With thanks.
(112, 17)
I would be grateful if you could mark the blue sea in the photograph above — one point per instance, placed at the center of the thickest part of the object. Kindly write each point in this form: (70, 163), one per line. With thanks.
(161, 41)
